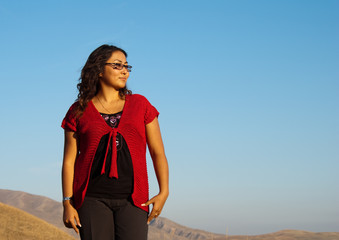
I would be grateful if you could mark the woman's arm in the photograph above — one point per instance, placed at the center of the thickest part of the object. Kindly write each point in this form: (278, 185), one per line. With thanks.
(156, 149)
(71, 217)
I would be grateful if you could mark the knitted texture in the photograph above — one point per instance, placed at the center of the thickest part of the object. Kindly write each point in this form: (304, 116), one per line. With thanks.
(91, 127)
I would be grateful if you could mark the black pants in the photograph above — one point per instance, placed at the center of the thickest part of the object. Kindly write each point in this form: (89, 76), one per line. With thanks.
(112, 219)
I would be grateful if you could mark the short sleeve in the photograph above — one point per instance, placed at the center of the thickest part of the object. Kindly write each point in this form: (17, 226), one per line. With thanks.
(70, 122)
(150, 113)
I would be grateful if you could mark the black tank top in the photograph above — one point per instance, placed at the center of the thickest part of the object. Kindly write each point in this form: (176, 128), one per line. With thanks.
(103, 186)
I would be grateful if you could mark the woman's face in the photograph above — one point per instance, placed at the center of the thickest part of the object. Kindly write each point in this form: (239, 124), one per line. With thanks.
(113, 77)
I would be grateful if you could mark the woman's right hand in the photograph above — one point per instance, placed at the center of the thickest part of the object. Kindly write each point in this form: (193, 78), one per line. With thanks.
(71, 217)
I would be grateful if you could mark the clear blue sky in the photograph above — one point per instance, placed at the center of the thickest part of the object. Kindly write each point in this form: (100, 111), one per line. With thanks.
(247, 91)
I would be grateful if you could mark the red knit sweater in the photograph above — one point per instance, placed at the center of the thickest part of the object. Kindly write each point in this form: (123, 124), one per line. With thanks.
(90, 128)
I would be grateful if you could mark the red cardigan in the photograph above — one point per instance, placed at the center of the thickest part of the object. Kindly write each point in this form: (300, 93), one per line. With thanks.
(90, 128)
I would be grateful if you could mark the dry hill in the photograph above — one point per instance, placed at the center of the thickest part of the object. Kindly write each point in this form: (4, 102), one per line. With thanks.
(160, 229)
(42, 207)
(16, 224)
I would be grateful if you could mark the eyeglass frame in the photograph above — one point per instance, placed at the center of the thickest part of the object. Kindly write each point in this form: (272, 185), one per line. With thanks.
(120, 66)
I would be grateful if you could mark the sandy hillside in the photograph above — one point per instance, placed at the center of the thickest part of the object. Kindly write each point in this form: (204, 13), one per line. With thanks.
(16, 224)
(50, 211)
(42, 207)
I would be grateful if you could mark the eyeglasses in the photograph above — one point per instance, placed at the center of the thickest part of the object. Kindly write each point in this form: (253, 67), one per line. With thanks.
(120, 66)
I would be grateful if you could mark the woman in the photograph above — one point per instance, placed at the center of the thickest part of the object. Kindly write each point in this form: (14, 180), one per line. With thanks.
(104, 173)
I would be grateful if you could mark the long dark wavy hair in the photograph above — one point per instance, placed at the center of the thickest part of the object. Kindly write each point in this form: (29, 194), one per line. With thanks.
(89, 83)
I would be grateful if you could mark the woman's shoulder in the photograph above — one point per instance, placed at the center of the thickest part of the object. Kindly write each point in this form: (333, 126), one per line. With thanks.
(73, 109)
(74, 106)
(137, 98)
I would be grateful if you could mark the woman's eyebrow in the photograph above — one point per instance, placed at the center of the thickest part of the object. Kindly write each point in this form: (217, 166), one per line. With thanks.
(119, 60)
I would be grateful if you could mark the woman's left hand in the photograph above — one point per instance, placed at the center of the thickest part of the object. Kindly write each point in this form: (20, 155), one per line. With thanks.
(157, 152)
(158, 202)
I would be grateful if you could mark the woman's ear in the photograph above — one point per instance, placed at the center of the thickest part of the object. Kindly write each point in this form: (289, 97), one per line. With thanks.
(100, 74)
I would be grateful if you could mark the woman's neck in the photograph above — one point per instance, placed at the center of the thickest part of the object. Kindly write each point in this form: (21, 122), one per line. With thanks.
(108, 96)
(108, 102)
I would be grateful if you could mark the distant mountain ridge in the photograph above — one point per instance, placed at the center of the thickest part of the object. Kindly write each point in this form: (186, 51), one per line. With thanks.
(161, 229)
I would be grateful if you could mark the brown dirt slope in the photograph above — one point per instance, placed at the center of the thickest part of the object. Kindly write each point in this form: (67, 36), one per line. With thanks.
(42, 207)
(16, 224)
(161, 229)
(39, 206)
